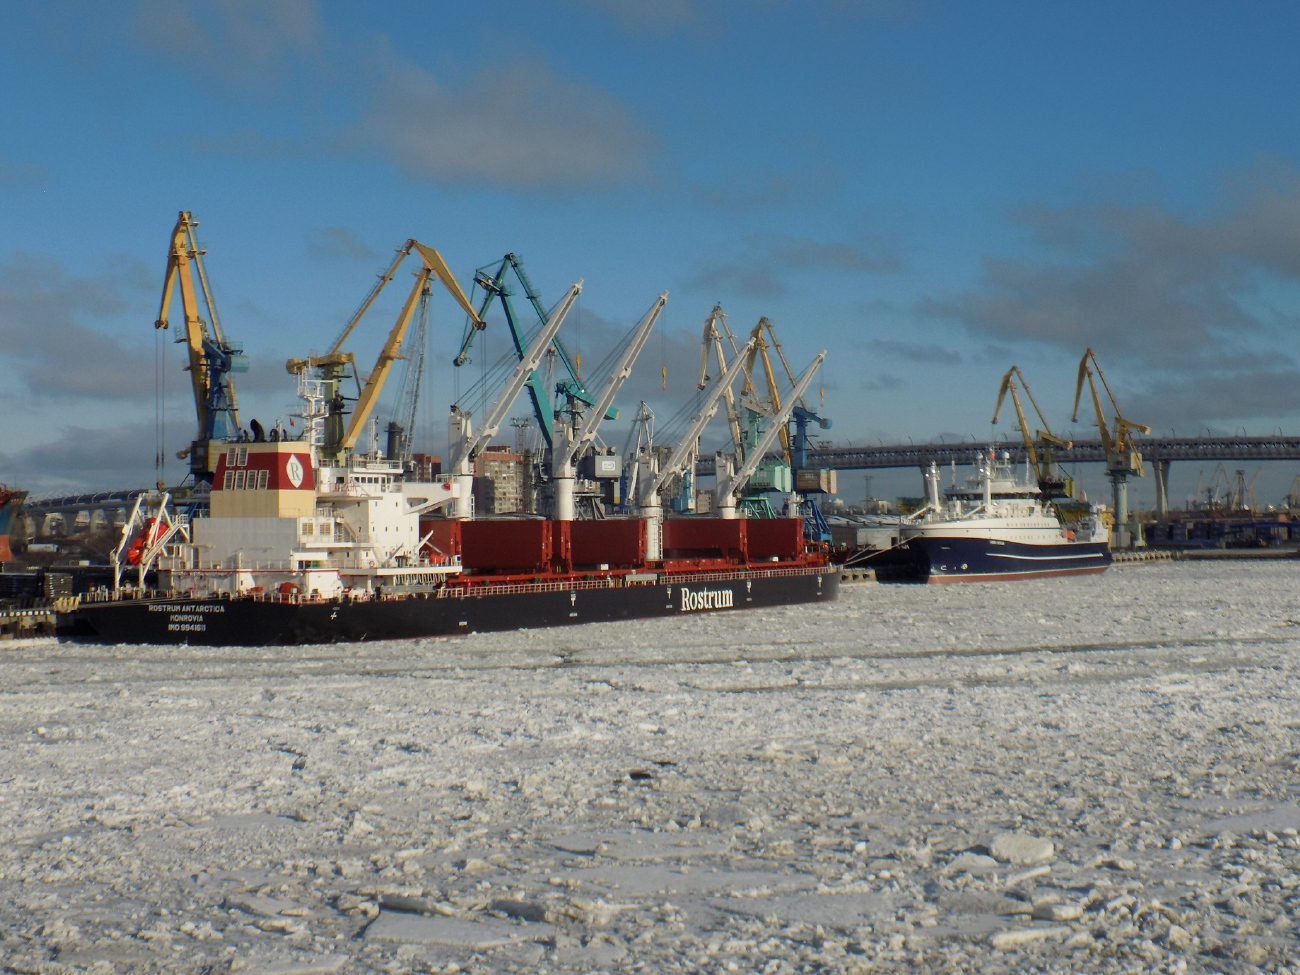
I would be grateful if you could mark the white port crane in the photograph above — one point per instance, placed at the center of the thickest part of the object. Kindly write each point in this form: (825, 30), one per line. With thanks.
(573, 438)
(649, 481)
(730, 481)
(469, 444)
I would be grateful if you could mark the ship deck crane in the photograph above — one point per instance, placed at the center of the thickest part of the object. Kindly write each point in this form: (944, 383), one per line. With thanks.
(469, 444)
(570, 443)
(731, 482)
(338, 439)
(212, 359)
(493, 283)
(651, 477)
(1039, 444)
(1122, 457)
(712, 343)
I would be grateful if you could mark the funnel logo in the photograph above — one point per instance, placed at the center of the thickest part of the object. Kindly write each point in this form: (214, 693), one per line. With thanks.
(293, 470)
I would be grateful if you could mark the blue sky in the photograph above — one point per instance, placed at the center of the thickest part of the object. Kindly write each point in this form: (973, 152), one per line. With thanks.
(931, 191)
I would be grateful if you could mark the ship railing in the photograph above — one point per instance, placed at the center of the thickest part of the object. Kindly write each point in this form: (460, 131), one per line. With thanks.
(518, 588)
(746, 573)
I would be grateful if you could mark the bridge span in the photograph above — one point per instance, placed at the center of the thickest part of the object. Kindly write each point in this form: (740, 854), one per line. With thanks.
(1158, 452)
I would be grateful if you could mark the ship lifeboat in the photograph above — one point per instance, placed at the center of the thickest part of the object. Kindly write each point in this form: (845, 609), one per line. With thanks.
(142, 541)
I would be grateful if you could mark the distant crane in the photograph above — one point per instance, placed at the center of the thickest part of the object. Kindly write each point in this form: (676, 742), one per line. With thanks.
(212, 359)
(1243, 491)
(1039, 444)
(1122, 457)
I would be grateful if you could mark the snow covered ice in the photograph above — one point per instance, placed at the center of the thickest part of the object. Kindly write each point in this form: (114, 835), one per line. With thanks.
(1066, 775)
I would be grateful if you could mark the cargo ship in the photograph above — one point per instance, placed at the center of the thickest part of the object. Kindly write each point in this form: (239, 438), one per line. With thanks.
(11, 505)
(292, 552)
(995, 527)
(308, 538)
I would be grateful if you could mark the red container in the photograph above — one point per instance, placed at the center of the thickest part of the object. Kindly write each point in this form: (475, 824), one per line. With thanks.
(779, 537)
(561, 544)
(508, 544)
(705, 538)
(444, 542)
(616, 542)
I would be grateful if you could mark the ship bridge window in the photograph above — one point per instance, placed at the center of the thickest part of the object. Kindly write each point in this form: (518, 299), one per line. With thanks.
(229, 483)
(243, 457)
(231, 454)
(240, 477)
(263, 478)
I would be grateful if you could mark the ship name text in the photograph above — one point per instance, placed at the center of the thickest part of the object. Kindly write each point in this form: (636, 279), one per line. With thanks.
(706, 599)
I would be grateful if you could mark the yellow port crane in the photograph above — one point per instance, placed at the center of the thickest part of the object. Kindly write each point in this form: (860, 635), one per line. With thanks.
(1039, 444)
(211, 358)
(749, 391)
(330, 367)
(1122, 457)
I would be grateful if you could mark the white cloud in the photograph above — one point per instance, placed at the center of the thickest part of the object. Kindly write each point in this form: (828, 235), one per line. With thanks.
(517, 124)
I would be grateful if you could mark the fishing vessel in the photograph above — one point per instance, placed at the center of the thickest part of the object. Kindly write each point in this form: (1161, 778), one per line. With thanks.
(995, 526)
(11, 505)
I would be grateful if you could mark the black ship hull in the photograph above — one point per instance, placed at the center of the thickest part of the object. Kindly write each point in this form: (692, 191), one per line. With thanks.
(256, 622)
(946, 558)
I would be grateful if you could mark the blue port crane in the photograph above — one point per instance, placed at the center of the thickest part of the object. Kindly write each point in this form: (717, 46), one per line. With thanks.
(492, 280)
(212, 359)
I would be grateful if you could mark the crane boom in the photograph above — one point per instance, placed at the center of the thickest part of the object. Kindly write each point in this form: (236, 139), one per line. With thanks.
(360, 313)
(621, 371)
(711, 396)
(211, 358)
(493, 283)
(712, 341)
(1042, 464)
(389, 354)
(773, 390)
(1120, 449)
(728, 485)
(331, 366)
(470, 445)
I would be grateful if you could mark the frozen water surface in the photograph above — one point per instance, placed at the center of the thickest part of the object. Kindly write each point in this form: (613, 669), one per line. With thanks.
(816, 788)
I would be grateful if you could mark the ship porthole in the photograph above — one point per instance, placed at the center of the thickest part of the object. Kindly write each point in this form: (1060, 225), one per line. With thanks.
(963, 567)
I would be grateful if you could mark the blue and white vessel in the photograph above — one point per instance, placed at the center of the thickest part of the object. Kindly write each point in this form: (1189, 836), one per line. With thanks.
(996, 526)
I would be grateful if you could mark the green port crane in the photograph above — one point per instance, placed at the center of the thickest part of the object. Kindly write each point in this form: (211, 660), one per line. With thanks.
(492, 280)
